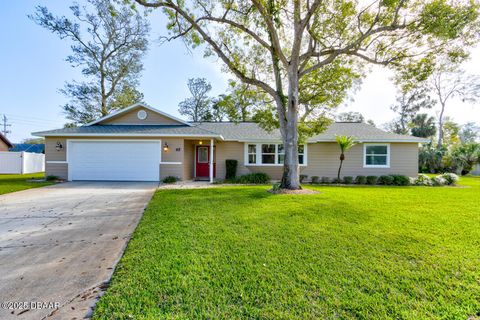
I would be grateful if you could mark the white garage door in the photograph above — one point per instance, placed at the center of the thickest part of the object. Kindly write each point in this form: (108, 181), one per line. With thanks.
(114, 160)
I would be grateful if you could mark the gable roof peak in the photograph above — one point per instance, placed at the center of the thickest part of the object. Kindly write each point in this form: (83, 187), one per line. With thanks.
(133, 106)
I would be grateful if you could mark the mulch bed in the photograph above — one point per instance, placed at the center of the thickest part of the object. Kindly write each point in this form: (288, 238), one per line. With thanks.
(287, 191)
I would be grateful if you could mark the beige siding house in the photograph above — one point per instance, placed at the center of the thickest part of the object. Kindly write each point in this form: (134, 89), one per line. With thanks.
(4, 143)
(145, 144)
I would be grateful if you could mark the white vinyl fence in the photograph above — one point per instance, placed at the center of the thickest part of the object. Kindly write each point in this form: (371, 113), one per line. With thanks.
(21, 162)
(476, 170)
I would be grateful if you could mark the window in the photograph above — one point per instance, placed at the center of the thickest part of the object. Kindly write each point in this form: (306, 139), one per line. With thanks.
(301, 154)
(252, 153)
(202, 154)
(270, 154)
(376, 155)
(280, 154)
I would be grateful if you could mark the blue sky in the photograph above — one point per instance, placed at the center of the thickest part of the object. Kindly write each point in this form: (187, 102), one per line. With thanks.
(33, 68)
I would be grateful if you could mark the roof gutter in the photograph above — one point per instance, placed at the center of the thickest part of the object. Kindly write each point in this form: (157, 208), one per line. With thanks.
(377, 140)
(41, 134)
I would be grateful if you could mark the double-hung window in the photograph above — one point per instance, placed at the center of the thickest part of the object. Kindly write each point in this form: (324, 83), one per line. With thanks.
(376, 155)
(270, 154)
(252, 153)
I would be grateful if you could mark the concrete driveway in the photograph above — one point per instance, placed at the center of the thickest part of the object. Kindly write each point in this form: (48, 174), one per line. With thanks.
(59, 245)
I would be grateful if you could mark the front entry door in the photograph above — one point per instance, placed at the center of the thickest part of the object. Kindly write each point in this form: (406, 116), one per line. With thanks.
(202, 162)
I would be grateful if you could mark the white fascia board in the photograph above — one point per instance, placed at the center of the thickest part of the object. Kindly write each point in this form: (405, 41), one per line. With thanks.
(376, 140)
(126, 135)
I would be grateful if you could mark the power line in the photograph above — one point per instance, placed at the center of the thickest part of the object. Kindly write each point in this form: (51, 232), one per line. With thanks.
(32, 118)
(5, 126)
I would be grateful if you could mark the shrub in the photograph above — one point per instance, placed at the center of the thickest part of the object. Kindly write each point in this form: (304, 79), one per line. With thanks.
(276, 187)
(450, 178)
(315, 179)
(170, 179)
(254, 178)
(51, 178)
(372, 179)
(385, 180)
(325, 180)
(231, 168)
(303, 177)
(361, 180)
(348, 180)
(423, 180)
(439, 181)
(400, 180)
(336, 180)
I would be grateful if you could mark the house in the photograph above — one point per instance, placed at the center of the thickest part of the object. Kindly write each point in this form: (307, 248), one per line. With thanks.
(4, 143)
(145, 144)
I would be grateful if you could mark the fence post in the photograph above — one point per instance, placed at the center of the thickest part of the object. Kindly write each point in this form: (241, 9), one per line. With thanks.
(23, 162)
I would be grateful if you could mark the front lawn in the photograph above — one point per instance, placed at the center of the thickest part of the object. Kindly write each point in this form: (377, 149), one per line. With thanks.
(348, 252)
(16, 182)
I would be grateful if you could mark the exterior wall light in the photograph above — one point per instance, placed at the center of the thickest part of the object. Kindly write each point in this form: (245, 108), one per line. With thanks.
(200, 142)
(58, 146)
(165, 147)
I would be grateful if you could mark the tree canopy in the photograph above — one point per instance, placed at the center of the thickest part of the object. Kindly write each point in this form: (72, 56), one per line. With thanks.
(108, 43)
(197, 107)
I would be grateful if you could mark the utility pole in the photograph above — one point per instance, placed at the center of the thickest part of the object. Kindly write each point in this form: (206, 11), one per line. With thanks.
(5, 125)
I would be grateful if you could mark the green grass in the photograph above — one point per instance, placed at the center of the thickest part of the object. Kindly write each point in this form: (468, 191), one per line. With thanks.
(346, 253)
(16, 182)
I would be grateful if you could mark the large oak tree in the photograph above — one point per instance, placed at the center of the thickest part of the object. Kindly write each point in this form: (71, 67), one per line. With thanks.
(289, 48)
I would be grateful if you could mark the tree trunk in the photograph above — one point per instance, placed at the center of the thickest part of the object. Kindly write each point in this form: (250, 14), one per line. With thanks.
(291, 170)
(103, 92)
(440, 127)
(339, 170)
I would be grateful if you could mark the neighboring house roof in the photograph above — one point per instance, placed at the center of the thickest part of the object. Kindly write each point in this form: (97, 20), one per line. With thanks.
(5, 140)
(250, 131)
(27, 147)
(131, 130)
(136, 105)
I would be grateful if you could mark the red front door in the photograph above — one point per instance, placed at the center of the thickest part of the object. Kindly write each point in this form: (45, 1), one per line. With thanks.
(202, 162)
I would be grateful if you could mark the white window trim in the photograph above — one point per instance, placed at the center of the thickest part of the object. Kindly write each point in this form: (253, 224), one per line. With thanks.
(365, 165)
(259, 155)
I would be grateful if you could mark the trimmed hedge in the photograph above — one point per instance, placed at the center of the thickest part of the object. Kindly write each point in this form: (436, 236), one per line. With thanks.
(372, 179)
(315, 179)
(400, 180)
(231, 168)
(170, 179)
(360, 180)
(325, 180)
(385, 180)
(348, 180)
(253, 178)
(303, 177)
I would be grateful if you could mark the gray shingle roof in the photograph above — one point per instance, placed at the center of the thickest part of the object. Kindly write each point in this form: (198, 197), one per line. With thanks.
(129, 130)
(362, 132)
(244, 131)
(249, 131)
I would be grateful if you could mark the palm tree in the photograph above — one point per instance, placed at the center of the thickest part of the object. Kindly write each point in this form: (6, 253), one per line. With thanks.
(345, 143)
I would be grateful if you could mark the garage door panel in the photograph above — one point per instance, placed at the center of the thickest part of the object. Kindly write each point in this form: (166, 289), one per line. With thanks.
(114, 160)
